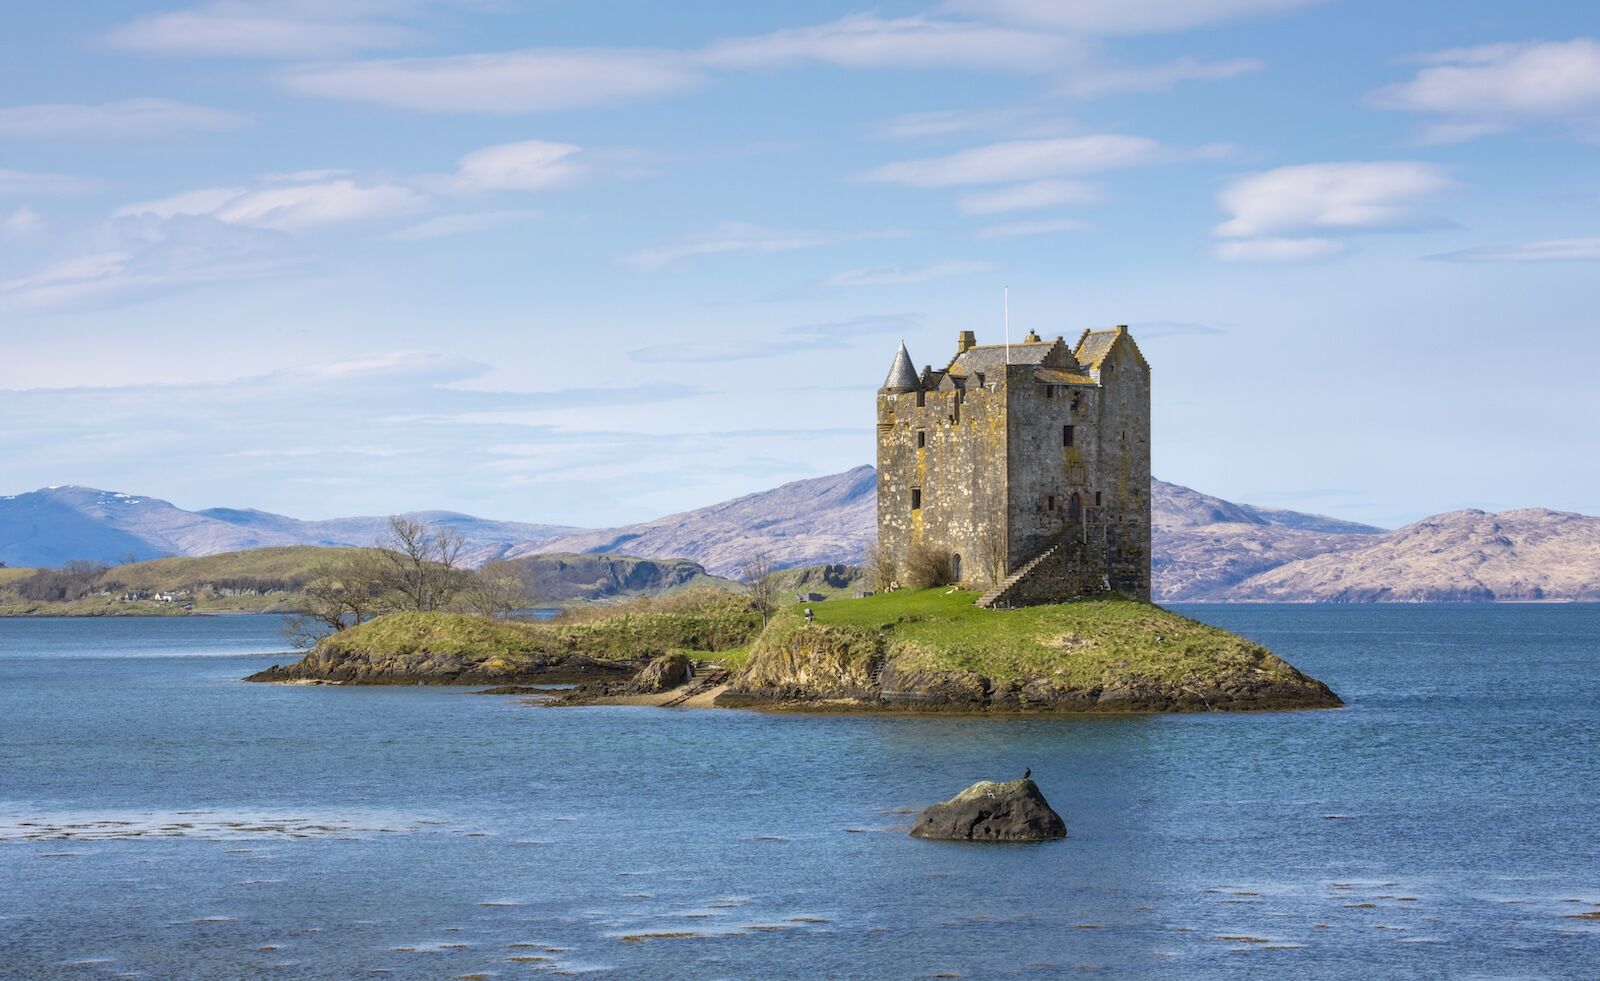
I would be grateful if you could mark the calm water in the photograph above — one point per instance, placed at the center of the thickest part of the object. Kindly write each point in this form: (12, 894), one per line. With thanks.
(1444, 825)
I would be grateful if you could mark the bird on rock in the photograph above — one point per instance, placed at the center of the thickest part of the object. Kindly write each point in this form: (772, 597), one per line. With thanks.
(1026, 773)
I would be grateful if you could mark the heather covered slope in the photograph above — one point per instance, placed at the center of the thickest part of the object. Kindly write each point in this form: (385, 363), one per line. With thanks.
(1462, 556)
(1205, 546)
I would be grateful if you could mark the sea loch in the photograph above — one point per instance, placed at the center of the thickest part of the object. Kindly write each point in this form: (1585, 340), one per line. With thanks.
(161, 818)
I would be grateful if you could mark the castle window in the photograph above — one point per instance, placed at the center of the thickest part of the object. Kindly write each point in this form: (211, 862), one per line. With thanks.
(1066, 435)
(916, 498)
(922, 438)
(922, 398)
(1050, 502)
(1049, 391)
(1074, 508)
(1077, 402)
(1096, 498)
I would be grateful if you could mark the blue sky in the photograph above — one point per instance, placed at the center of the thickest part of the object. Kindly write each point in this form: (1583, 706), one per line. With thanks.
(590, 262)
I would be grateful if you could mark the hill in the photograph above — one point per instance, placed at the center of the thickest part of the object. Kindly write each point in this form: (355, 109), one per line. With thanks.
(1462, 556)
(1205, 546)
(54, 525)
(805, 522)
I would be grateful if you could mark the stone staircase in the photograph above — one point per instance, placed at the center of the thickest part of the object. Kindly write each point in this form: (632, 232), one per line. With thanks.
(996, 596)
(698, 687)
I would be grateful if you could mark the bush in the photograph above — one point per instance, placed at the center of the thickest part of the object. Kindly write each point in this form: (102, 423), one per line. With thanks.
(927, 566)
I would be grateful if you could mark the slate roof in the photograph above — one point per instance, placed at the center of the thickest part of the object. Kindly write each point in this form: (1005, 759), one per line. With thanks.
(1094, 345)
(1057, 376)
(902, 374)
(990, 358)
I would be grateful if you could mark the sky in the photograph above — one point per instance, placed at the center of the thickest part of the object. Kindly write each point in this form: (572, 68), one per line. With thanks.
(591, 261)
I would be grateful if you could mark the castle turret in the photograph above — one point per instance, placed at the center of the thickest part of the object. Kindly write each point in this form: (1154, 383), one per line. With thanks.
(902, 374)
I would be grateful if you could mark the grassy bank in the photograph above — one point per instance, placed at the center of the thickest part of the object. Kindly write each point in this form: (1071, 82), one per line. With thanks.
(1081, 643)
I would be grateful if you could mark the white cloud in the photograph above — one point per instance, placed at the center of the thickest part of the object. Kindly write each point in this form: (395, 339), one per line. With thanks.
(1496, 87)
(1276, 249)
(270, 29)
(509, 83)
(908, 275)
(735, 237)
(946, 122)
(480, 221)
(21, 223)
(1102, 80)
(1547, 250)
(1329, 197)
(868, 41)
(530, 165)
(289, 206)
(1108, 17)
(113, 120)
(1024, 229)
(1022, 160)
(24, 182)
(1036, 194)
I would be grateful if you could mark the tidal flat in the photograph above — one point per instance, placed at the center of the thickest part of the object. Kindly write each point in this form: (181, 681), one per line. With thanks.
(158, 816)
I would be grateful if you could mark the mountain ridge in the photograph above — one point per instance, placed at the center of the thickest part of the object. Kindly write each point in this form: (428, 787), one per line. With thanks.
(1206, 549)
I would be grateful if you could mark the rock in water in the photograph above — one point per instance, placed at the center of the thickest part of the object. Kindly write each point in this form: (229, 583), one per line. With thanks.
(662, 674)
(990, 811)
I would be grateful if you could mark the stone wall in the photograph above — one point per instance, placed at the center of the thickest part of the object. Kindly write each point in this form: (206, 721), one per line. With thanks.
(1124, 453)
(1044, 472)
(960, 471)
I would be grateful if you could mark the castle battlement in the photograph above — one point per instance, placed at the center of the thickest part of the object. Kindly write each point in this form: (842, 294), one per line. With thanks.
(1029, 466)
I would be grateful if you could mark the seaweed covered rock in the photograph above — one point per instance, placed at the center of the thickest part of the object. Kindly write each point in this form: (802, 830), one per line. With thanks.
(990, 811)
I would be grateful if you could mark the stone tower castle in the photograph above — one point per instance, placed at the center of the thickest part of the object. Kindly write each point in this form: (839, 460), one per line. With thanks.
(1031, 472)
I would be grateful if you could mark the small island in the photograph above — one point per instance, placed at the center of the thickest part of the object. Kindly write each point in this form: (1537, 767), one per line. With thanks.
(929, 650)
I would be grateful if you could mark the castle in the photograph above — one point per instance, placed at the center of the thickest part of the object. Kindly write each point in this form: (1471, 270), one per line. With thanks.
(1026, 467)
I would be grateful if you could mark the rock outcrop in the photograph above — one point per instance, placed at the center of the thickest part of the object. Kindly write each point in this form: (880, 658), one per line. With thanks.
(990, 811)
(662, 674)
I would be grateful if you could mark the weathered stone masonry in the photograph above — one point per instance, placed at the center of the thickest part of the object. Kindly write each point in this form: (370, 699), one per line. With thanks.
(1032, 470)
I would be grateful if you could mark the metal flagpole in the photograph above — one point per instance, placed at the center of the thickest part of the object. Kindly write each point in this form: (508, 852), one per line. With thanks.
(1005, 300)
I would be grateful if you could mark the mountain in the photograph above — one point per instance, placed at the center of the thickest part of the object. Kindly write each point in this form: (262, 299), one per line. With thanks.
(52, 526)
(1462, 556)
(806, 522)
(561, 578)
(1204, 546)
(1206, 549)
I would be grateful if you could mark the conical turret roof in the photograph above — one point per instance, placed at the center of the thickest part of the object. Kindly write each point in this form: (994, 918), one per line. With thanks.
(902, 374)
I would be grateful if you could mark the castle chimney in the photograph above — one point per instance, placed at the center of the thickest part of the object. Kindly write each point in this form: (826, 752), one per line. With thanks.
(966, 339)
(1032, 338)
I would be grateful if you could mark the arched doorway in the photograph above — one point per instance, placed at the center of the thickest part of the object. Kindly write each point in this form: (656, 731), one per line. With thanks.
(955, 568)
(1074, 507)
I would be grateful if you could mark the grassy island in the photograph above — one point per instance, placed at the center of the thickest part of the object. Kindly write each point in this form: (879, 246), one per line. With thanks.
(930, 650)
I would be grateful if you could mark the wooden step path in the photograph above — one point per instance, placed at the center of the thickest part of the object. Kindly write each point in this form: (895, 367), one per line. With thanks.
(697, 687)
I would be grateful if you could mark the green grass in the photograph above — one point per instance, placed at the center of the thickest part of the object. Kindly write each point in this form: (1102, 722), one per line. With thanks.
(295, 562)
(1078, 643)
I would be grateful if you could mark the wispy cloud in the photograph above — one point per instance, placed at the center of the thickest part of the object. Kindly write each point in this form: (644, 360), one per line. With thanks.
(148, 255)
(21, 223)
(1497, 87)
(529, 165)
(20, 183)
(908, 275)
(1547, 250)
(1025, 197)
(1298, 212)
(832, 334)
(289, 205)
(539, 80)
(1111, 17)
(869, 41)
(128, 118)
(442, 226)
(1022, 160)
(1025, 229)
(1104, 80)
(272, 29)
(740, 237)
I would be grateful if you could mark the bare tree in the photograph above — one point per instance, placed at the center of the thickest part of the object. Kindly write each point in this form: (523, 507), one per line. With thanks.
(422, 565)
(880, 567)
(343, 593)
(498, 590)
(993, 555)
(756, 573)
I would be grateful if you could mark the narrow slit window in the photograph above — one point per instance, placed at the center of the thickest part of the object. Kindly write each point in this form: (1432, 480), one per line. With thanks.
(1067, 435)
(1049, 391)
(922, 438)
(1096, 498)
(916, 498)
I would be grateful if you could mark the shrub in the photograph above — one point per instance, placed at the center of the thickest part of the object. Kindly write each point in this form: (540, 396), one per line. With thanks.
(927, 566)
